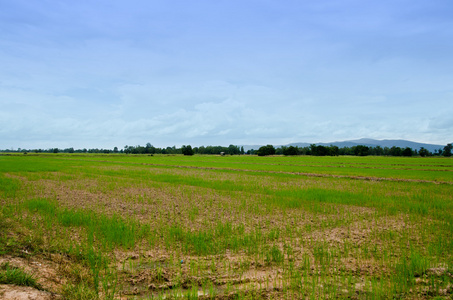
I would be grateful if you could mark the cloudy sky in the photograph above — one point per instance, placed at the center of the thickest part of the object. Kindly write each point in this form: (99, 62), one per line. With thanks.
(105, 73)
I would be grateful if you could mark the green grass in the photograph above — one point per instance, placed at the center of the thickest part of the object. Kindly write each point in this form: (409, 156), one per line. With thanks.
(8, 186)
(14, 275)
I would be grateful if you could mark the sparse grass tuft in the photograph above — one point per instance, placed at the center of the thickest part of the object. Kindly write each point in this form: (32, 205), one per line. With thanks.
(112, 230)
(14, 275)
(80, 291)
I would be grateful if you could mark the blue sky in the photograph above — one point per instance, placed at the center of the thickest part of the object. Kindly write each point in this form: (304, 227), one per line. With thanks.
(99, 74)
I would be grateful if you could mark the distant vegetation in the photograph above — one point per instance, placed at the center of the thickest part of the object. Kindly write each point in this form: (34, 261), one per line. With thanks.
(315, 150)
(361, 150)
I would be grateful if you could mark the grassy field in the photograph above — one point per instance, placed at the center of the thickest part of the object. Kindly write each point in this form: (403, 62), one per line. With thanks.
(232, 227)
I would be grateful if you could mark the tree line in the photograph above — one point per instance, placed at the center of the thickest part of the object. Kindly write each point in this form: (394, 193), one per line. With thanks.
(185, 149)
(147, 149)
(359, 150)
(313, 149)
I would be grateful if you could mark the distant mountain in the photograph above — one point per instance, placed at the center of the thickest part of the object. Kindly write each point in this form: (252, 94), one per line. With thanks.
(391, 143)
(365, 142)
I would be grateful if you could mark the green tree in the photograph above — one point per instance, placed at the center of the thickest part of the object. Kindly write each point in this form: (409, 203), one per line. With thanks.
(361, 150)
(406, 152)
(334, 150)
(319, 150)
(447, 150)
(150, 148)
(376, 150)
(266, 150)
(291, 150)
(395, 151)
(187, 150)
(423, 152)
(232, 149)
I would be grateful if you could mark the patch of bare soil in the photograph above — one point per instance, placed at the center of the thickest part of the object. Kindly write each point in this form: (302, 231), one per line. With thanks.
(153, 205)
(14, 292)
(359, 232)
(191, 207)
(364, 235)
(153, 273)
(45, 271)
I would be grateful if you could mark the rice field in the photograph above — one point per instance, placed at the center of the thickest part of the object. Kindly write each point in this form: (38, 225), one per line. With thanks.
(227, 227)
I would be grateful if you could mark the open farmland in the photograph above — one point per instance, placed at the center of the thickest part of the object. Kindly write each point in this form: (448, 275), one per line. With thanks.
(212, 227)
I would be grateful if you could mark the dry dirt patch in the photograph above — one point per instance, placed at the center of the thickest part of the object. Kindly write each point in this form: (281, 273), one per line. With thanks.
(14, 292)
(45, 271)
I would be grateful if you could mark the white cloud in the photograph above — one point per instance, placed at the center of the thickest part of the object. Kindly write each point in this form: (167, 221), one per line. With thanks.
(104, 74)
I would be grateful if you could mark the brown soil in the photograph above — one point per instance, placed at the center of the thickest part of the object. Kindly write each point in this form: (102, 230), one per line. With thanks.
(14, 292)
(46, 271)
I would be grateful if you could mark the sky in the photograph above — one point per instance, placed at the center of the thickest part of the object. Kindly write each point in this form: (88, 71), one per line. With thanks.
(106, 73)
